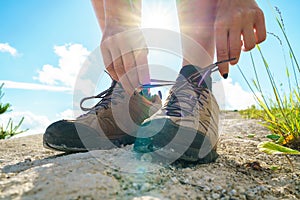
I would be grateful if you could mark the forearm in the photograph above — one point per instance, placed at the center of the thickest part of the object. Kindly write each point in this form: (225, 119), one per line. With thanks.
(98, 6)
(117, 12)
(196, 13)
(196, 19)
(122, 12)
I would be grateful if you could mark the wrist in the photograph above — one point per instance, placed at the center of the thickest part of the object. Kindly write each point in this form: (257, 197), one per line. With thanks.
(122, 13)
(111, 21)
(114, 29)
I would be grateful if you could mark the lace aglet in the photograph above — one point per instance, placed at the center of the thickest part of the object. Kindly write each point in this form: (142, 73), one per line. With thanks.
(214, 67)
(224, 61)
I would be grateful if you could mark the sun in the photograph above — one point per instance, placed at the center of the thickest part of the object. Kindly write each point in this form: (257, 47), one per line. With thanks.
(158, 14)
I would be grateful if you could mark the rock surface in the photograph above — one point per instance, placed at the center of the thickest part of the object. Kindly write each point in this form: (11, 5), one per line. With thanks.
(28, 171)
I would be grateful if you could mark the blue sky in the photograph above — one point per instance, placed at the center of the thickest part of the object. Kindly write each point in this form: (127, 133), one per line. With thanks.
(41, 39)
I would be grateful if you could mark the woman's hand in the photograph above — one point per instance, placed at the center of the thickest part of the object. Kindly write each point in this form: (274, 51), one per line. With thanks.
(239, 24)
(124, 53)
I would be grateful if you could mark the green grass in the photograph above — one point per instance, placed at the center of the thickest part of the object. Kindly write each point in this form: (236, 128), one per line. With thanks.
(282, 122)
(3, 107)
(280, 112)
(10, 129)
(252, 113)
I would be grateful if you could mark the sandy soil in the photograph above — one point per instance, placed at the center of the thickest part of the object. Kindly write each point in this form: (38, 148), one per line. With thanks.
(28, 171)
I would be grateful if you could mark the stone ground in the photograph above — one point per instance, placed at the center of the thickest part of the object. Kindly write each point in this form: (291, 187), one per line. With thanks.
(28, 171)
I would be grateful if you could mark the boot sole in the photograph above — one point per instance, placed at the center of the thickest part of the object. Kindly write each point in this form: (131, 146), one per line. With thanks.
(174, 141)
(116, 143)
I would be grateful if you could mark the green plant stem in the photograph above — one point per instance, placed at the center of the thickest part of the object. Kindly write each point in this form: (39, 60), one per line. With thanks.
(290, 162)
(284, 34)
(290, 47)
(256, 97)
(295, 74)
(257, 80)
(275, 90)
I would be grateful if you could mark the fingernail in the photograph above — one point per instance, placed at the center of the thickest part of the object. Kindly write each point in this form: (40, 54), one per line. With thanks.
(225, 75)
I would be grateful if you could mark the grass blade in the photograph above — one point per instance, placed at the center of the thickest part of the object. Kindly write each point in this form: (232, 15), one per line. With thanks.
(272, 148)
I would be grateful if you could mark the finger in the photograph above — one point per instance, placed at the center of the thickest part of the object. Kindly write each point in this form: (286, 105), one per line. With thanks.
(222, 49)
(260, 27)
(112, 72)
(120, 70)
(234, 45)
(107, 59)
(140, 54)
(249, 38)
(130, 69)
(117, 62)
(142, 66)
(122, 76)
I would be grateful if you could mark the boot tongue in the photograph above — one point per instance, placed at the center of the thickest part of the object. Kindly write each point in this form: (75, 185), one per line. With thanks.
(189, 70)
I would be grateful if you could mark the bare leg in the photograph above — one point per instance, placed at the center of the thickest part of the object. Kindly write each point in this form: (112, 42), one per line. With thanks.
(196, 19)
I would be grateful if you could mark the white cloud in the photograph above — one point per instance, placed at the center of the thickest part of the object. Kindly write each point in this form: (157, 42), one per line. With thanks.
(61, 78)
(5, 47)
(231, 96)
(33, 86)
(35, 123)
(67, 114)
(71, 58)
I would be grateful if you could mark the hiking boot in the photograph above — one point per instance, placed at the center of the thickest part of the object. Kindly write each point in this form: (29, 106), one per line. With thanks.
(106, 125)
(186, 127)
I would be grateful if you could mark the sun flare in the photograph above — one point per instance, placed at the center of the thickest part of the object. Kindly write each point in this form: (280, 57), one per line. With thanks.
(159, 15)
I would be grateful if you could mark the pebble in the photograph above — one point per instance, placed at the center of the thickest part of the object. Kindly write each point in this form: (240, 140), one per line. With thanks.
(135, 185)
(206, 189)
(242, 197)
(250, 195)
(241, 189)
(218, 188)
(261, 188)
(233, 192)
(187, 170)
(224, 198)
(254, 190)
(145, 187)
(174, 179)
(215, 195)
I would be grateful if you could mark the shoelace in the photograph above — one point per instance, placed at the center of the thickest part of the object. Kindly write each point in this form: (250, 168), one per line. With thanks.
(181, 102)
(181, 88)
(106, 96)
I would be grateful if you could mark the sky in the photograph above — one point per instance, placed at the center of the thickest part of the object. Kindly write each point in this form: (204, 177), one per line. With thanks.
(43, 45)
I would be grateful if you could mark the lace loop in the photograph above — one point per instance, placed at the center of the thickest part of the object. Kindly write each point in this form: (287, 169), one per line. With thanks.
(105, 97)
(83, 100)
